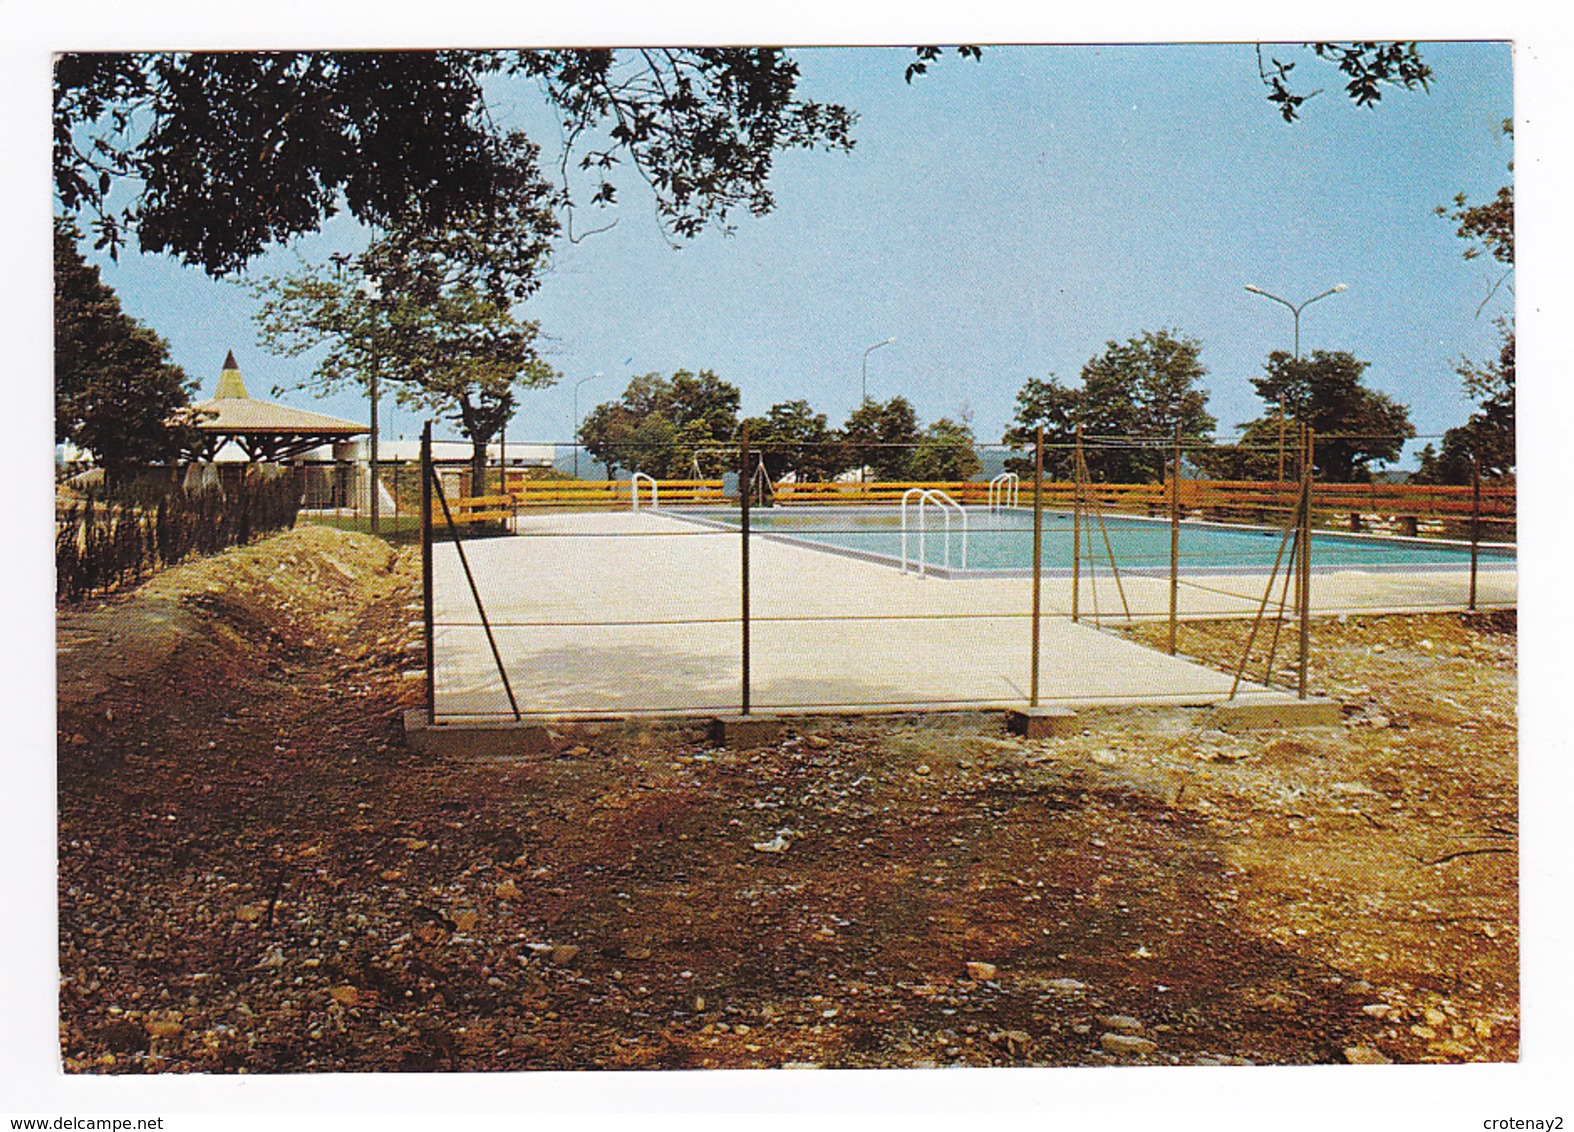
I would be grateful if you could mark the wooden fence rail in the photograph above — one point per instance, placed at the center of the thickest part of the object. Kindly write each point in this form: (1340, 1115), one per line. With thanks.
(1238, 500)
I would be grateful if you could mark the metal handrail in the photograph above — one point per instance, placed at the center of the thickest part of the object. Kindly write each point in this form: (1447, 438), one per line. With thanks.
(1004, 490)
(946, 505)
(655, 490)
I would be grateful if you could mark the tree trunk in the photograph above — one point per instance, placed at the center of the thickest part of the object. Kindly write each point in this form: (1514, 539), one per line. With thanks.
(478, 484)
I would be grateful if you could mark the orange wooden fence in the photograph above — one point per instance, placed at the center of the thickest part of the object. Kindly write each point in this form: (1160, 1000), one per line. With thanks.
(1220, 499)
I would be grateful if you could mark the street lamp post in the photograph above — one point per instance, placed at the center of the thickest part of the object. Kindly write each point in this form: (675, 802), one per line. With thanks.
(867, 352)
(1295, 312)
(863, 469)
(575, 437)
(372, 292)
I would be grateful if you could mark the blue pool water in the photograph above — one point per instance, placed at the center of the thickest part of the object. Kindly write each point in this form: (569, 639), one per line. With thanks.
(1003, 542)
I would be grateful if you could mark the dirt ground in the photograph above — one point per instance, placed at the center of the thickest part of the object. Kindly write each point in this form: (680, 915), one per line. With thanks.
(256, 876)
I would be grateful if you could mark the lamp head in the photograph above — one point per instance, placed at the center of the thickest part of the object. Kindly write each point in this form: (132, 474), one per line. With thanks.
(1340, 287)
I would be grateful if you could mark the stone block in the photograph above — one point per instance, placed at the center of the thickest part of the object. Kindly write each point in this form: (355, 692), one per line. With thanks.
(1257, 714)
(484, 740)
(1042, 722)
(745, 730)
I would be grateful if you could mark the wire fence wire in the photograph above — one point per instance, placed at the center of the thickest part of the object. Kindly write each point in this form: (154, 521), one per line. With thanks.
(751, 589)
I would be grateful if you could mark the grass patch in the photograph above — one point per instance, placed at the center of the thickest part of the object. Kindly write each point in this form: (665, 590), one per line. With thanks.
(397, 529)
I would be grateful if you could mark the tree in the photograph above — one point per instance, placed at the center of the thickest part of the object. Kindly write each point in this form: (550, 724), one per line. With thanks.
(1134, 396)
(661, 426)
(881, 436)
(1489, 227)
(1489, 435)
(1354, 425)
(464, 354)
(1367, 66)
(1253, 456)
(428, 312)
(228, 153)
(1132, 399)
(795, 440)
(944, 453)
(1048, 404)
(117, 395)
(213, 157)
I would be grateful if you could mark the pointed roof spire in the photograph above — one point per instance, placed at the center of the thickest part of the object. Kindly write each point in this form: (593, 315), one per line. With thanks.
(230, 384)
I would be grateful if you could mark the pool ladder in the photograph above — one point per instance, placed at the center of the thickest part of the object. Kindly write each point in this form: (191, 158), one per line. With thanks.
(1004, 491)
(655, 492)
(932, 496)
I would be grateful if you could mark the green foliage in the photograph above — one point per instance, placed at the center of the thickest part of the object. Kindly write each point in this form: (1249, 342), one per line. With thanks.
(1253, 456)
(1354, 425)
(924, 56)
(1132, 399)
(1490, 434)
(793, 439)
(229, 153)
(881, 436)
(1367, 67)
(1044, 402)
(428, 312)
(661, 425)
(117, 395)
(215, 156)
(945, 453)
(1487, 227)
(1142, 390)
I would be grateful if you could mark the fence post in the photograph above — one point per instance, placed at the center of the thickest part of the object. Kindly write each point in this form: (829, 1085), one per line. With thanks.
(1038, 552)
(1076, 526)
(743, 524)
(1475, 525)
(1306, 560)
(1175, 539)
(475, 593)
(426, 570)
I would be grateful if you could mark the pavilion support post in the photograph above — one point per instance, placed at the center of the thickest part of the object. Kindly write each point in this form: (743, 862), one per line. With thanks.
(371, 475)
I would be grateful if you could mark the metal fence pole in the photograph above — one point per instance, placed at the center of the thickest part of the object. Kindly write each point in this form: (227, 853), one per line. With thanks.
(743, 497)
(1175, 539)
(1475, 525)
(1038, 552)
(1076, 526)
(475, 594)
(1306, 561)
(426, 570)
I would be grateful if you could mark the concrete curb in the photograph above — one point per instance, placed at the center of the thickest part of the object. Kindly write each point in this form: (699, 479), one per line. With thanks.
(1257, 714)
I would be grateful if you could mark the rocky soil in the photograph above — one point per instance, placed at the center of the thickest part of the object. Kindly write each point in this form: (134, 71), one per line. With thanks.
(257, 876)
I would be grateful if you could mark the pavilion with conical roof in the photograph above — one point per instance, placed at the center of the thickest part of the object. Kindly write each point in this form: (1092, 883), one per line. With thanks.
(263, 430)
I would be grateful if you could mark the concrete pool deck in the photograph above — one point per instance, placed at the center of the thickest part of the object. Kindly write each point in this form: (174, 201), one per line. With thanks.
(606, 614)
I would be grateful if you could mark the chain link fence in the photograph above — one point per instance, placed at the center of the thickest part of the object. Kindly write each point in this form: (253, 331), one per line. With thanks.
(741, 588)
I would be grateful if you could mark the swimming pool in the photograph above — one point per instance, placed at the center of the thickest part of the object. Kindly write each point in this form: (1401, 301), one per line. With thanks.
(1001, 542)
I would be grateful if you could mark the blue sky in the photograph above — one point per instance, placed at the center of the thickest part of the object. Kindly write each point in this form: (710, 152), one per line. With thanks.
(1004, 220)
